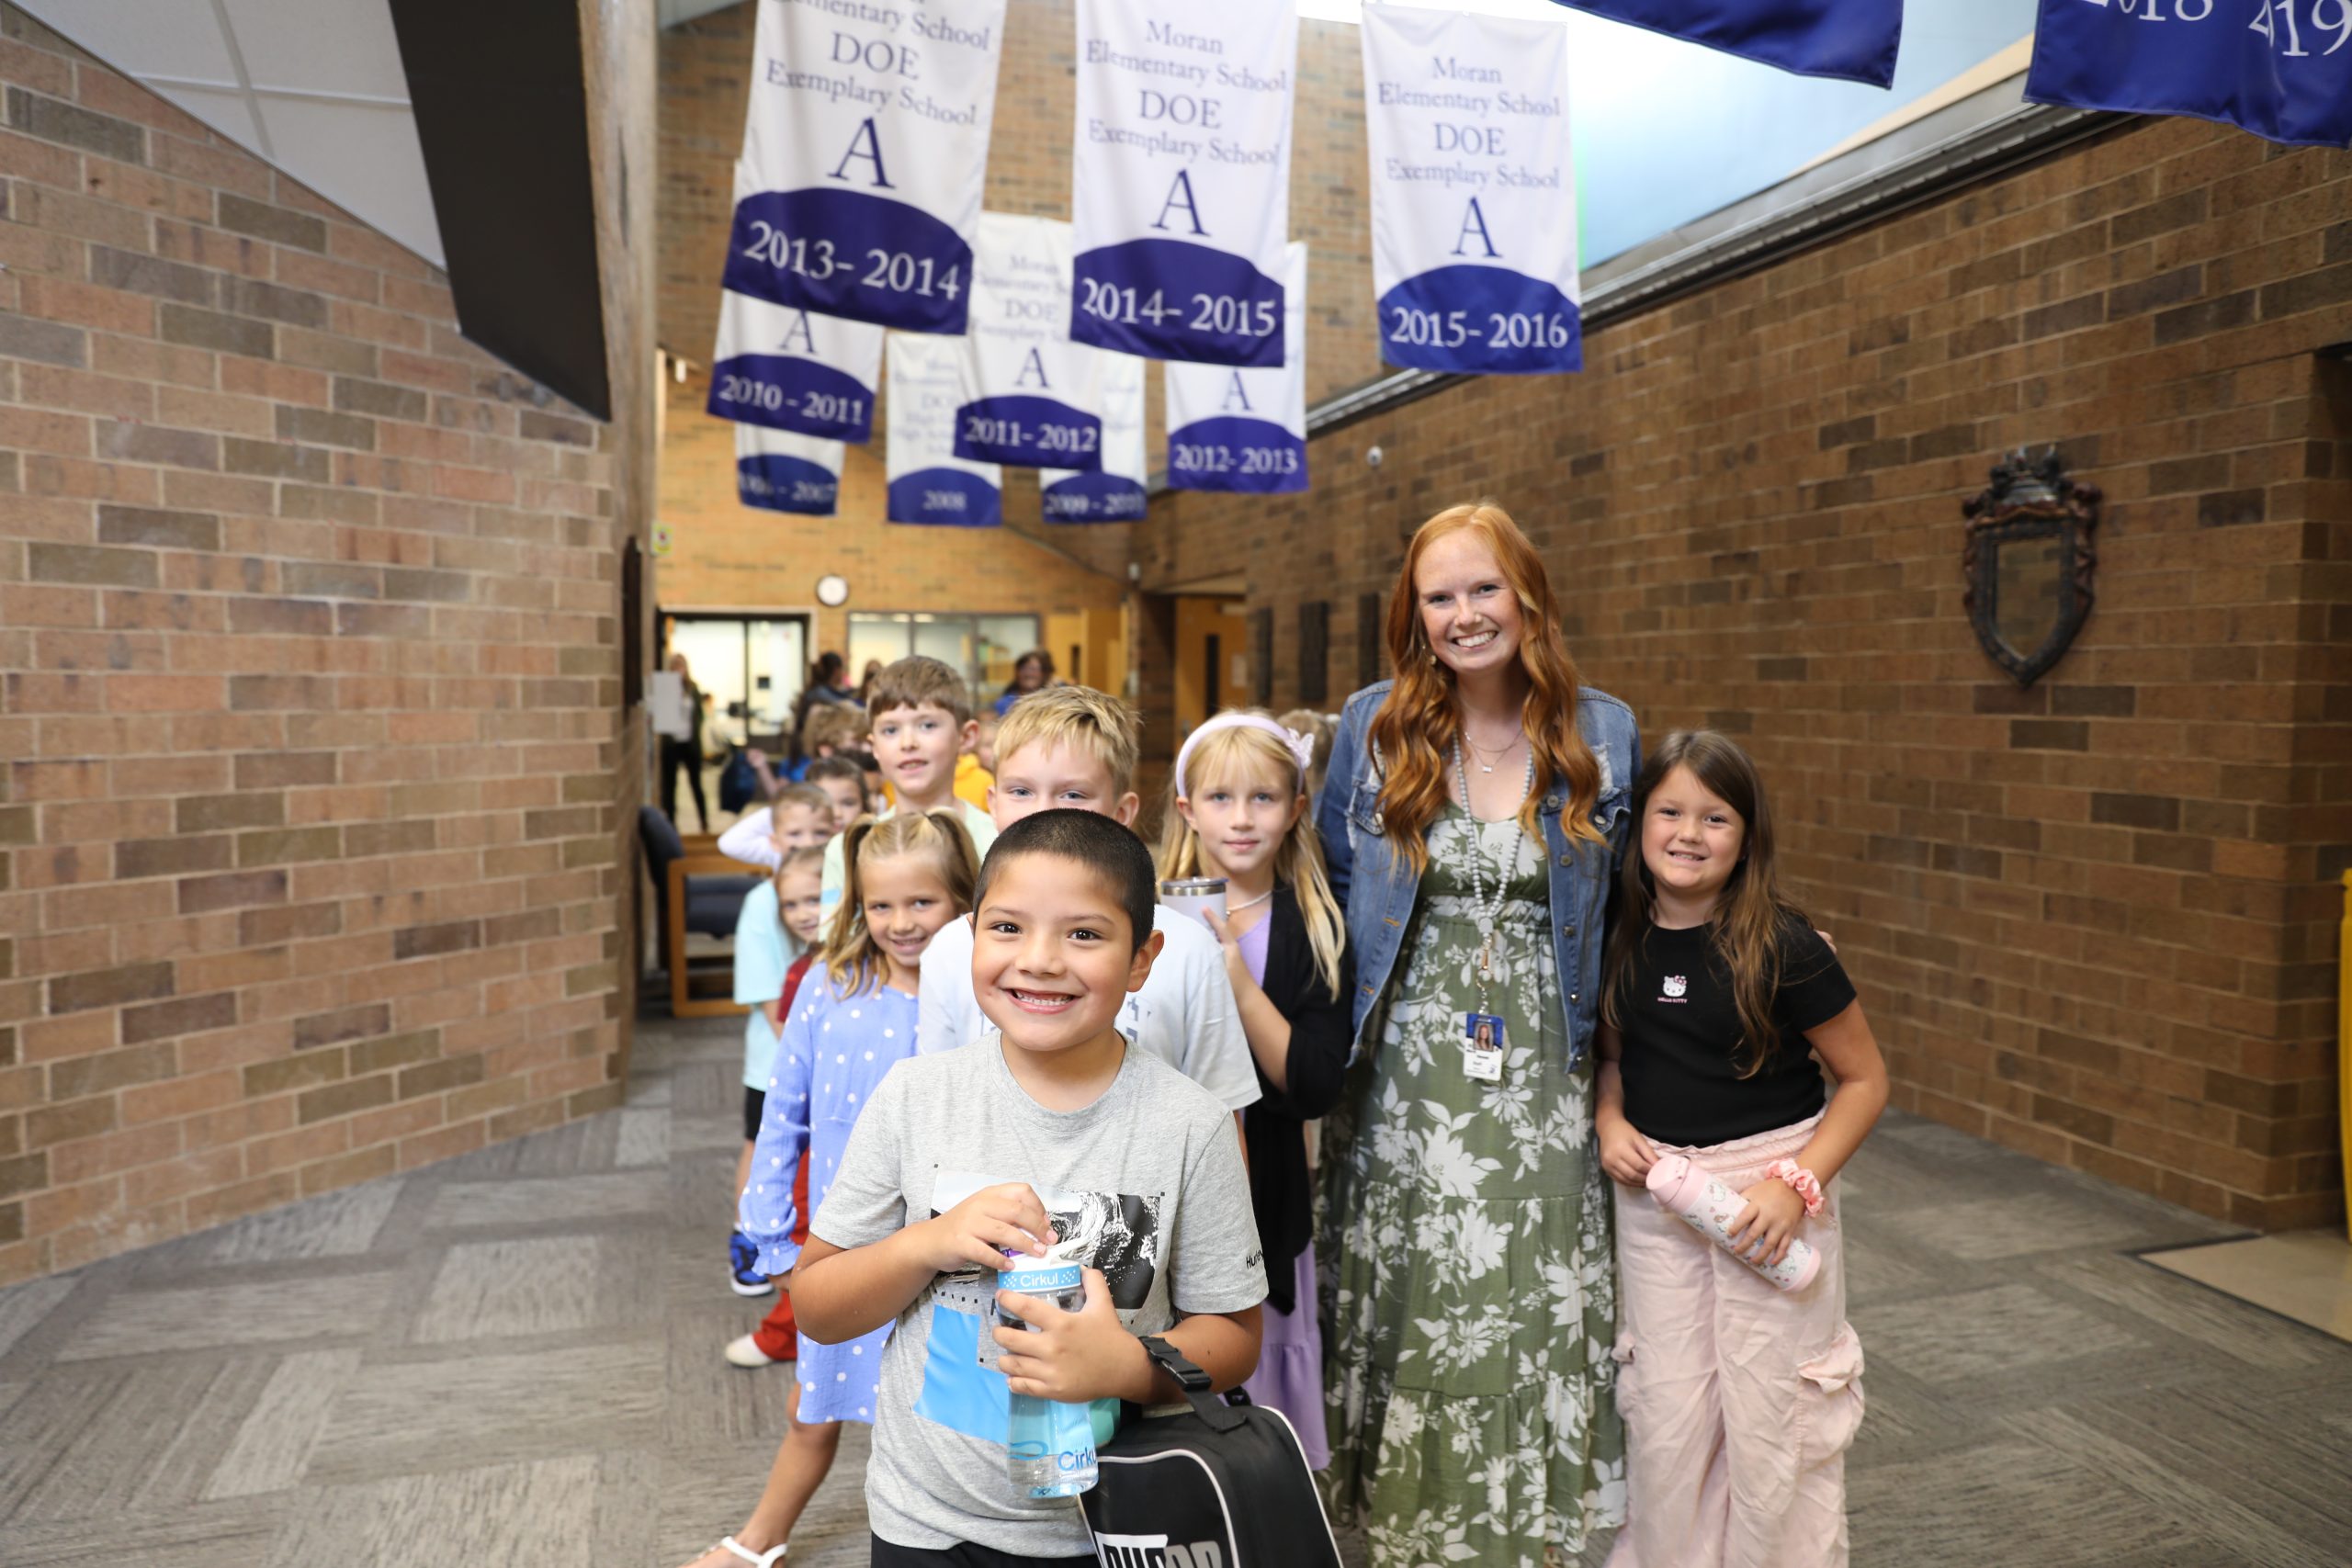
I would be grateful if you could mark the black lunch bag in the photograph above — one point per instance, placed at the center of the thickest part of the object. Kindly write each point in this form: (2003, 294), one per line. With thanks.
(1217, 1486)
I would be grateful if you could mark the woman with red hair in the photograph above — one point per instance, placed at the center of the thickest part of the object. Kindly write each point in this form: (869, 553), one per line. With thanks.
(1474, 816)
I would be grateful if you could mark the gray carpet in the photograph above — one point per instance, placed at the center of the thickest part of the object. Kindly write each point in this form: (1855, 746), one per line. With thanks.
(512, 1359)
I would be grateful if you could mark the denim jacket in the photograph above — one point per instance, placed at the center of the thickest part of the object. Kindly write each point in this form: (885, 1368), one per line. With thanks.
(1377, 884)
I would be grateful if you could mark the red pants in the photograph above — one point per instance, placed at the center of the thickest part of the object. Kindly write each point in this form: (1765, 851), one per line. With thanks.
(778, 1337)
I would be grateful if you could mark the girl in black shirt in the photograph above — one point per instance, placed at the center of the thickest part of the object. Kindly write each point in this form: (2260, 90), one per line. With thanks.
(1739, 1399)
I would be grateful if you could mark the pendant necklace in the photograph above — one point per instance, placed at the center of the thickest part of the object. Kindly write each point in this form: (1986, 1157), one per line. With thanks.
(1486, 767)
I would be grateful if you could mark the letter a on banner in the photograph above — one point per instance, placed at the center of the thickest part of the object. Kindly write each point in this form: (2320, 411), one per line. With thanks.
(2281, 69)
(1473, 198)
(1180, 187)
(928, 483)
(778, 472)
(1244, 430)
(866, 142)
(796, 370)
(1851, 40)
(1032, 398)
(1113, 493)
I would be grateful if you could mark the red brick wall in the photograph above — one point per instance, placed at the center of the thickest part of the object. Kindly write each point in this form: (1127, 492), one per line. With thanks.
(2095, 919)
(308, 694)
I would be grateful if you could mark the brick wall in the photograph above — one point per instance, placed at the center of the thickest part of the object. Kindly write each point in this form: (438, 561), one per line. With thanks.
(2094, 919)
(308, 694)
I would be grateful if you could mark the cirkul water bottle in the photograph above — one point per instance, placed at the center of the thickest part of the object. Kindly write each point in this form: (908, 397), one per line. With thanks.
(1050, 1445)
(1708, 1206)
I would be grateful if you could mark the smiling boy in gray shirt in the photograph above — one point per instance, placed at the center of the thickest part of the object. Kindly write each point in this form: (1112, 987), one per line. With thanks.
(1053, 1132)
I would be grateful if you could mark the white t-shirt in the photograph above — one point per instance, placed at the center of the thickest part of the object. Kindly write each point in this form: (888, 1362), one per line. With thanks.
(1184, 1014)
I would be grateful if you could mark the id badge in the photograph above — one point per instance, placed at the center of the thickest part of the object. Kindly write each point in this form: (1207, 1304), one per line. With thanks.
(1482, 1047)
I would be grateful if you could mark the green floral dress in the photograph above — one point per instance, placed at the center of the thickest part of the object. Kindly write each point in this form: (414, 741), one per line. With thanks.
(1469, 1275)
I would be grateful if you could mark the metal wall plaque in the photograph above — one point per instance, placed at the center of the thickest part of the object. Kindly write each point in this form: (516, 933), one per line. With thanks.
(2028, 561)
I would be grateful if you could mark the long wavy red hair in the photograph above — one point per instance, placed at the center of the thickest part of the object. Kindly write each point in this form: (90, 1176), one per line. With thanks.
(1416, 730)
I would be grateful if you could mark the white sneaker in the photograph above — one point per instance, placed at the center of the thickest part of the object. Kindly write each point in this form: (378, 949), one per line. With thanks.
(746, 1352)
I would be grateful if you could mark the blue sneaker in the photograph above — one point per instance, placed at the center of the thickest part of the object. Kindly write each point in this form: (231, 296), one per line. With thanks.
(742, 1268)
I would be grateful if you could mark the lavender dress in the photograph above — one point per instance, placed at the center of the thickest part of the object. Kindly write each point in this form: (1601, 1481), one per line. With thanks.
(1290, 1362)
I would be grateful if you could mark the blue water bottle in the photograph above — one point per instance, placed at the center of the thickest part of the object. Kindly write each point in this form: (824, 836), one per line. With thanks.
(1050, 1446)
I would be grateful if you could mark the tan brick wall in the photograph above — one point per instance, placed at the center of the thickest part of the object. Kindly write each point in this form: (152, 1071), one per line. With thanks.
(308, 695)
(2096, 919)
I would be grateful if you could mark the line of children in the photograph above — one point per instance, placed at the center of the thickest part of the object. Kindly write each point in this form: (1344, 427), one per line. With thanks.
(777, 924)
(1071, 747)
(1053, 1136)
(1739, 1399)
(907, 876)
(920, 722)
(1238, 810)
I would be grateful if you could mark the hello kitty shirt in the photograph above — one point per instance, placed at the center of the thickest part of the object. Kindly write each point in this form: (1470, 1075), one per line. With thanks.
(1682, 1050)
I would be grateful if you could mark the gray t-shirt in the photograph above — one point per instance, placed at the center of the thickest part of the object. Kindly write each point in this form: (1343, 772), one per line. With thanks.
(1145, 1184)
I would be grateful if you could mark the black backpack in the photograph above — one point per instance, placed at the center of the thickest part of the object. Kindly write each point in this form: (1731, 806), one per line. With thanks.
(1217, 1486)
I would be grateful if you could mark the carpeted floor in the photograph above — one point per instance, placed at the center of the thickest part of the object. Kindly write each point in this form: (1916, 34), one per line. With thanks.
(510, 1361)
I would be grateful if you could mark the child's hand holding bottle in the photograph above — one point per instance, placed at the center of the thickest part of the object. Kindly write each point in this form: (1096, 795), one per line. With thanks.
(1625, 1155)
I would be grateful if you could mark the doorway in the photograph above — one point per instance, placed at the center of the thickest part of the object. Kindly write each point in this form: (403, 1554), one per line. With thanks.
(750, 668)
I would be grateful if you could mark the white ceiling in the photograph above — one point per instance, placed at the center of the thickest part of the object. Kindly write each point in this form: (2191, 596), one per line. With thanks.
(314, 87)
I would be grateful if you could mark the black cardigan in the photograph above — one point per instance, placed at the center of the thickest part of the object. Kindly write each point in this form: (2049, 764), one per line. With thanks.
(1322, 1034)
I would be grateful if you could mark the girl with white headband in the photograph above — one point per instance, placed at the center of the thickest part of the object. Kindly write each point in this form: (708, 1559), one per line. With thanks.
(1238, 810)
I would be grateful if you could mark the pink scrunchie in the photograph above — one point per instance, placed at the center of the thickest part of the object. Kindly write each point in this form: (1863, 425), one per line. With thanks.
(1800, 1182)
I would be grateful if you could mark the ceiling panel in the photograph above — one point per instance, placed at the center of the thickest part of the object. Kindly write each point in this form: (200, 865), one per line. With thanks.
(320, 46)
(364, 149)
(155, 37)
(324, 97)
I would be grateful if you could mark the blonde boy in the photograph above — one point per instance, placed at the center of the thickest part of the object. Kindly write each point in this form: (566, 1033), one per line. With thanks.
(1072, 748)
(920, 719)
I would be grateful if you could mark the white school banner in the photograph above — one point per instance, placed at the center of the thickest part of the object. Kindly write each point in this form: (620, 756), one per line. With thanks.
(868, 143)
(778, 471)
(792, 369)
(1114, 492)
(1244, 430)
(928, 483)
(1474, 200)
(1032, 398)
(1181, 190)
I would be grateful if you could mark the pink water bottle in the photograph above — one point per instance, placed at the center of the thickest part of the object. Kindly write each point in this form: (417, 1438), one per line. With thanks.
(1709, 1207)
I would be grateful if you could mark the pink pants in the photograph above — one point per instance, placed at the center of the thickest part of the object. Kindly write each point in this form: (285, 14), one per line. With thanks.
(1739, 1399)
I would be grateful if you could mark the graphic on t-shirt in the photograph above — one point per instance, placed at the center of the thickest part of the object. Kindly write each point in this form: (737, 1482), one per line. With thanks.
(1675, 985)
(1118, 1233)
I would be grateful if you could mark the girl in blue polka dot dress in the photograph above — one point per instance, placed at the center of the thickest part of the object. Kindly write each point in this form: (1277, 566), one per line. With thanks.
(852, 1020)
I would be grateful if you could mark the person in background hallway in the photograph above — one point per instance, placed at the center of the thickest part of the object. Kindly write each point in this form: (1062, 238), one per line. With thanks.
(828, 682)
(1032, 672)
(1473, 819)
(1320, 729)
(1739, 1398)
(684, 753)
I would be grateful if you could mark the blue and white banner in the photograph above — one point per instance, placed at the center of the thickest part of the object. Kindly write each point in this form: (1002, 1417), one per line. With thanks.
(1244, 430)
(1114, 492)
(867, 145)
(778, 471)
(1031, 397)
(792, 369)
(1181, 187)
(1852, 39)
(2281, 69)
(928, 483)
(1473, 198)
